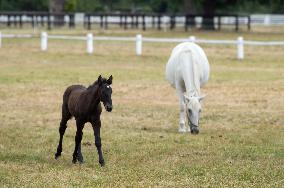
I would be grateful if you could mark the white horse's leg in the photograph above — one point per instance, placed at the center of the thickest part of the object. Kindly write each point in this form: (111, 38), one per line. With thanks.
(182, 113)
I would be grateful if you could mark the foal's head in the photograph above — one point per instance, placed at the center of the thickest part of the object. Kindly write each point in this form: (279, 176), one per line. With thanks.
(193, 111)
(105, 92)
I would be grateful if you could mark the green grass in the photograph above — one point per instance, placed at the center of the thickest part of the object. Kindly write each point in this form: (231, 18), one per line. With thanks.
(242, 126)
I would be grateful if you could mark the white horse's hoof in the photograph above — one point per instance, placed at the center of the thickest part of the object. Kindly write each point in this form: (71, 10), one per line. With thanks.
(182, 130)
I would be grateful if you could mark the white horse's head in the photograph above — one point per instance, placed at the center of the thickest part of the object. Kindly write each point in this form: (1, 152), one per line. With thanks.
(193, 111)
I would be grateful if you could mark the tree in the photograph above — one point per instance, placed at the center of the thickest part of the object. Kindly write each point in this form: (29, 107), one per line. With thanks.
(208, 8)
(190, 6)
(24, 5)
(70, 6)
(57, 7)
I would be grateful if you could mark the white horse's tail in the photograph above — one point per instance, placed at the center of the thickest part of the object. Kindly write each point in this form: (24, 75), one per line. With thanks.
(196, 75)
(190, 72)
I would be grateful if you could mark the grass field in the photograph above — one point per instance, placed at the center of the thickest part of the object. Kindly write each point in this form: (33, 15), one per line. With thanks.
(241, 143)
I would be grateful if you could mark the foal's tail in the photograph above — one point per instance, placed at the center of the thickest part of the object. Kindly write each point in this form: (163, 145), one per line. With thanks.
(66, 95)
(65, 111)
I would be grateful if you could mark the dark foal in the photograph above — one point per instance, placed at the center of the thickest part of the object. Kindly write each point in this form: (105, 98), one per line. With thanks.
(84, 104)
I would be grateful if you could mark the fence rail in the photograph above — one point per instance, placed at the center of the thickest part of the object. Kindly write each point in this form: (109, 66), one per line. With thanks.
(17, 36)
(89, 39)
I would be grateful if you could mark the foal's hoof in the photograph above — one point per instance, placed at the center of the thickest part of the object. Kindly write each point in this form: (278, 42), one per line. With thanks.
(74, 161)
(80, 159)
(102, 163)
(56, 156)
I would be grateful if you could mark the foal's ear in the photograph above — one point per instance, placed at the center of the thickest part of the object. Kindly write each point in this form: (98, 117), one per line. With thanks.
(100, 80)
(109, 81)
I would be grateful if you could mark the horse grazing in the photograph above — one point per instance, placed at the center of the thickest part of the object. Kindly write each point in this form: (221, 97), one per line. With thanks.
(187, 70)
(84, 104)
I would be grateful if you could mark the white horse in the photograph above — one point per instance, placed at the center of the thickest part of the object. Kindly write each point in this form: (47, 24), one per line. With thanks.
(187, 70)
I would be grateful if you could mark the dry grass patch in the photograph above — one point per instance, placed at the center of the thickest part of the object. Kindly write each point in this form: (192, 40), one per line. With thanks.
(241, 140)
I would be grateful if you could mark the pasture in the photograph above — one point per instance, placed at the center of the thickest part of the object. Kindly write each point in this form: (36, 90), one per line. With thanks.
(241, 139)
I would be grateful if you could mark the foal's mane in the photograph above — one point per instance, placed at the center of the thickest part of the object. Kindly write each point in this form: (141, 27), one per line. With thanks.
(96, 83)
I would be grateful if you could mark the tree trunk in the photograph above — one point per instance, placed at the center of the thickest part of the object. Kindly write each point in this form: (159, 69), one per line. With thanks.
(209, 7)
(189, 7)
(208, 22)
(57, 8)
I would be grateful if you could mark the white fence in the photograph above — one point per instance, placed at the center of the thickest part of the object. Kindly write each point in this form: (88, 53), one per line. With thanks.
(89, 39)
(267, 19)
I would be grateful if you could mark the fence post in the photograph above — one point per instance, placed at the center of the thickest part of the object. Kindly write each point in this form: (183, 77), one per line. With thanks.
(165, 23)
(43, 41)
(267, 20)
(192, 39)
(240, 48)
(139, 44)
(0, 39)
(90, 47)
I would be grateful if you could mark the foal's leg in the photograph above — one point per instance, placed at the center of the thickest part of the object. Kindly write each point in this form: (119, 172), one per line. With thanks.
(79, 155)
(78, 138)
(65, 117)
(96, 127)
(182, 112)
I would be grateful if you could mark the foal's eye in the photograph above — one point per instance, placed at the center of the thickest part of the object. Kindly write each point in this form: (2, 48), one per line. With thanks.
(199, 111)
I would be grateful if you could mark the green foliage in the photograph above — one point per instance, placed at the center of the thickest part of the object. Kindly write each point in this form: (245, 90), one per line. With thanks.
(159, 5)
(89, 5)
(70, 5)
(24, 5)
